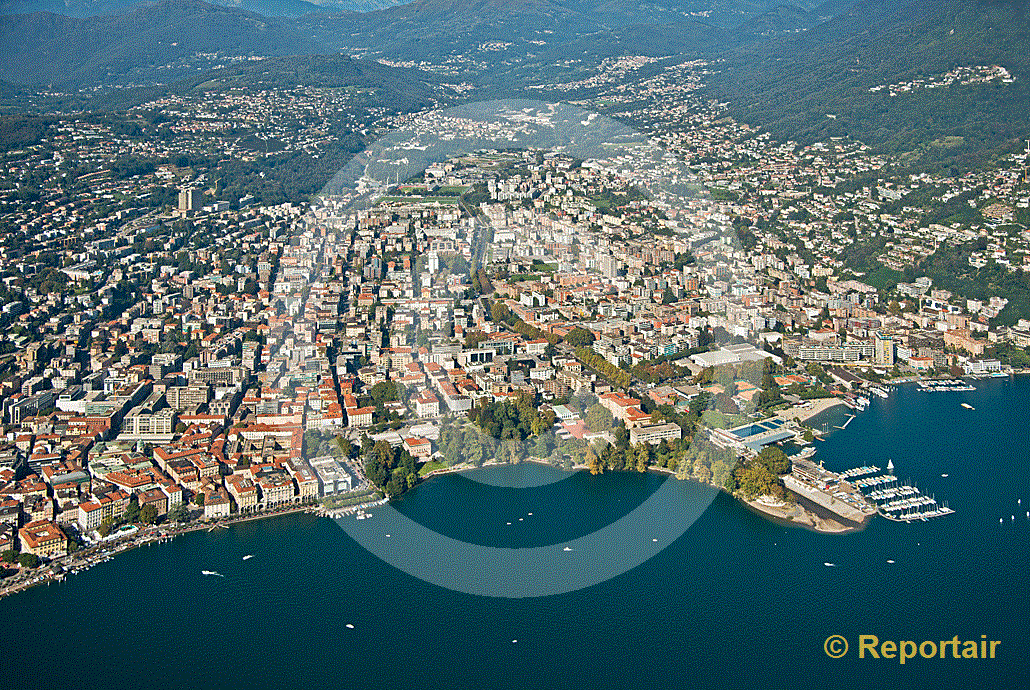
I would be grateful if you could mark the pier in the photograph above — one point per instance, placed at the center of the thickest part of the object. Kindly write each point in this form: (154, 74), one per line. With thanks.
(845, 425)
(858, 471)
(870, 482)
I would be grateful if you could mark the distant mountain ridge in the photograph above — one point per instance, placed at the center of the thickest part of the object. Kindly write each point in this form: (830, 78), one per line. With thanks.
(817, 84)
(45, 48)
(267, 8)
(160, 42)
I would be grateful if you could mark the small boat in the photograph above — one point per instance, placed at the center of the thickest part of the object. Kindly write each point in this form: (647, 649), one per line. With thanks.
(830, 565)
(248, 556)
(509, 523)
(350, 625)
(211, 572)
(654, 540)
(968, 406)
(890, 560)
(566, 549)
(944, 475)
(1001, 520)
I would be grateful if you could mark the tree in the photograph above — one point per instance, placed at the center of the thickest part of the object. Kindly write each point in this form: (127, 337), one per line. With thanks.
(148, 514)
(643, 457)
(178, 513)
(756, 480)
(199, 499)
(28, 560)
(499, 312)
(346, 447)
(106, 526)
(579, 337)
(774, 459)
(598, 418)
(395, 487)
(9, 556)
(132, 512)
(473, 338)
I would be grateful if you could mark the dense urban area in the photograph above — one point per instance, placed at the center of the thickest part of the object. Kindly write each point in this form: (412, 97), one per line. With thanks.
(191, 334)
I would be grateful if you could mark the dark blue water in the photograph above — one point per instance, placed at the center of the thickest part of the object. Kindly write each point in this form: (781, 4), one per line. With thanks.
(736, 602)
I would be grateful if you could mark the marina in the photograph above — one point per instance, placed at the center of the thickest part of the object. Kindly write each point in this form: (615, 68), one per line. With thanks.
(861, 491)
(899, 502)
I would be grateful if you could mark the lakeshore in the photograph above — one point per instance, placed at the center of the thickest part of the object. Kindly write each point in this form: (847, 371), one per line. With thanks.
(58, 569)
(819, 405)
(309, 579)
(802, 513)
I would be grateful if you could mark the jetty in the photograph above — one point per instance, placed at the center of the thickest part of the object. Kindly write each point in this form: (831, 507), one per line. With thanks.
(944, 386)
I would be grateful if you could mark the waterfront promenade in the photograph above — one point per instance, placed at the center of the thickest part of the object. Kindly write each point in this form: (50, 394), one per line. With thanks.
(85, 558)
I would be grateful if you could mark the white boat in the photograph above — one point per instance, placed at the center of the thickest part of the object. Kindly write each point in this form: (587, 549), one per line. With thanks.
(351, 626)
(211, 572)
(566, 549)
(944, 475)
(890, 560)
(248, 556)
(830, 565)
(968, 406)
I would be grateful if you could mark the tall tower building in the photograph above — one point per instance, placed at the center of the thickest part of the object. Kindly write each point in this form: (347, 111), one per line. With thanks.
(190, 200)
(883, 351)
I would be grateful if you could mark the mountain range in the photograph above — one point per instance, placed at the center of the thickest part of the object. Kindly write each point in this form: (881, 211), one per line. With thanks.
(819, 83)
(803, 71)
(268, 8)
(160, 42)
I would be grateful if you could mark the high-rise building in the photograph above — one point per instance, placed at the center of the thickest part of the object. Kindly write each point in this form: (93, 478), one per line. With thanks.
(883, 350)
(609, 266)
(190, 200)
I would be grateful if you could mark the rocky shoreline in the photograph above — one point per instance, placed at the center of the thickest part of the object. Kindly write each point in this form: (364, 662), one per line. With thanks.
(808, 517)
